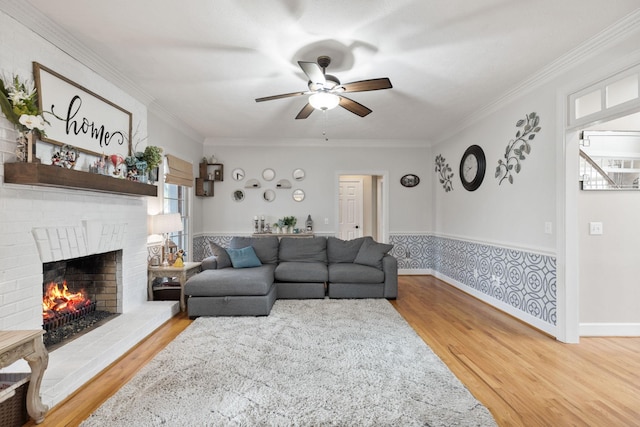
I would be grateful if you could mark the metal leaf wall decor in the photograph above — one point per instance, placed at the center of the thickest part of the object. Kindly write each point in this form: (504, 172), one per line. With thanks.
(518, 148)
(445, 173)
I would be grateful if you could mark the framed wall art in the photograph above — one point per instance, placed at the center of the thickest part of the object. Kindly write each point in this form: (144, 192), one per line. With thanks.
(410, 180)
(80, 117)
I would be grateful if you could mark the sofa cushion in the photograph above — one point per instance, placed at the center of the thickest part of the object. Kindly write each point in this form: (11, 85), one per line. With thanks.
(296, 271)
(244, 257)
(266, 248)
(222, 257)
(371, 253)
(302, 249)
(354, 273)
(339, 250)
(229, 281)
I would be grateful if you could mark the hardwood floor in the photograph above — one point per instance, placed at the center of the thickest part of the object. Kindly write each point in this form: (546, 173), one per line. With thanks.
(523, 376)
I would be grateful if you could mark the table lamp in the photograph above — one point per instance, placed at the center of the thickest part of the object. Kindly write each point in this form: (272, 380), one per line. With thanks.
(164, 224)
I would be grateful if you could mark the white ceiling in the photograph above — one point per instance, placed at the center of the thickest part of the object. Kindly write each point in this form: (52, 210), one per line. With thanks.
(205, 61)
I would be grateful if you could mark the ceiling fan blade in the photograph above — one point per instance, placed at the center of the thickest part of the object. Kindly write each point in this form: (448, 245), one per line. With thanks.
(305, 112)
(313, 71)
(364, 85)
(353, 106)
(284, 95)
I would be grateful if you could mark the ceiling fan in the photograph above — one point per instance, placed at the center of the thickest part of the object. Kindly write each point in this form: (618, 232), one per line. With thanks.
(326, 90)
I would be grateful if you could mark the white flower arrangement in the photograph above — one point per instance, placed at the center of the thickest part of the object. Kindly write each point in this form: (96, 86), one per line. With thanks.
(18, 101)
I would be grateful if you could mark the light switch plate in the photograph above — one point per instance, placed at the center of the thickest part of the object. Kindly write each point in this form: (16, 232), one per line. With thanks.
(595, 228)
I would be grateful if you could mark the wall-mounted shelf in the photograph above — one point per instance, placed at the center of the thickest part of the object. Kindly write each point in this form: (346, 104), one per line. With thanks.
(55, 176)
(209, 173)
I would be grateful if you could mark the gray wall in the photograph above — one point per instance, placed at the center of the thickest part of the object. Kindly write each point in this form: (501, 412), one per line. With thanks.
(410, 209)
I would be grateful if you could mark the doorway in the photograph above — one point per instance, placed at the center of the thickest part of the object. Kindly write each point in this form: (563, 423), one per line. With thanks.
(608, 100)
(361, 206)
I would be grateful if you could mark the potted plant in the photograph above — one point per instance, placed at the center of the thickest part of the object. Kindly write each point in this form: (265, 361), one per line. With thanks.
(153, 156)
(289, 223)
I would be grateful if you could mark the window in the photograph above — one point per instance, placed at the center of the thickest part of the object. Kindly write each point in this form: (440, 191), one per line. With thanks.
(176, 201)
(606, 98)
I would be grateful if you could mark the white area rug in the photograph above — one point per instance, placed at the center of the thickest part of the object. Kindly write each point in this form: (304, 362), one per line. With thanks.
(309, 363)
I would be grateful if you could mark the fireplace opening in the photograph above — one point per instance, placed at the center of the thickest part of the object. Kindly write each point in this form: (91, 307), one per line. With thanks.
(79, 295)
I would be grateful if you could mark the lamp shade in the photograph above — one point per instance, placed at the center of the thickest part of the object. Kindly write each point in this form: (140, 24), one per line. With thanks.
(166, 223)
(324, 101)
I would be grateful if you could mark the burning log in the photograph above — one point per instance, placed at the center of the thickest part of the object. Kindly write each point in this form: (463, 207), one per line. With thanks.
(61, 301)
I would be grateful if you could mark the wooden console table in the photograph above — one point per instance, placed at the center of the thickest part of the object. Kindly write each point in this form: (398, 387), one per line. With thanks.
(182, 273)
(281, 235)
(28, 345)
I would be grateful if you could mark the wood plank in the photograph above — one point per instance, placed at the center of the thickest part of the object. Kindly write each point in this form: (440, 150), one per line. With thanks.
(524, 376)
(55, 176)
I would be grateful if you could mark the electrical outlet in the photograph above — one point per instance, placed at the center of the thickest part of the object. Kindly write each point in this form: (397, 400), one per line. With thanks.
(595, 228)
(548, 227)
(326, 221)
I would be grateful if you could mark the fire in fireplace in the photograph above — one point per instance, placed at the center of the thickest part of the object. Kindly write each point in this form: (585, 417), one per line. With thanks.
(59, 306)
(79, 294)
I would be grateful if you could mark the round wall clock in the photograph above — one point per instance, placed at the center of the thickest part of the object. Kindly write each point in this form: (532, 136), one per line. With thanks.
(472, 167)
(410, 180)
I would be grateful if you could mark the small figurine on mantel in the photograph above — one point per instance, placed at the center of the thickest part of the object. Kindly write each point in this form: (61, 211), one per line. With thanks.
(179, 259)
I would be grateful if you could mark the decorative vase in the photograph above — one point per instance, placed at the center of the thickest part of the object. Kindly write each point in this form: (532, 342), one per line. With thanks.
(117, 160)
(26, 147)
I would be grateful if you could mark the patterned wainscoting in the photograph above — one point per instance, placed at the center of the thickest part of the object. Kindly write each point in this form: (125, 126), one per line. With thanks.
(201, 248)
(523, 280)
(520, 279)
(413, 251)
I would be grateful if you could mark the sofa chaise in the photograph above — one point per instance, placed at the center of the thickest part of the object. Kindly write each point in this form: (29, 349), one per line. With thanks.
(246, 278)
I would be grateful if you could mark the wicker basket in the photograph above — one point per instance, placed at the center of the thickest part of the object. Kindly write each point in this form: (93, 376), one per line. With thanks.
(13, 399)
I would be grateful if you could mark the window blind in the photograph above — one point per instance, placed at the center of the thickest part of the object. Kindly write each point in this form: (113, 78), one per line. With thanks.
(180, 172)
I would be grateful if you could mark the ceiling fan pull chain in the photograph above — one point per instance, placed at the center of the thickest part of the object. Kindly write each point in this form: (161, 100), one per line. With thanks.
(324, 131)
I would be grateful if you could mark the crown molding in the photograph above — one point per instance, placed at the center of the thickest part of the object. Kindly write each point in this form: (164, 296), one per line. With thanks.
(593, 46)
(41, 24)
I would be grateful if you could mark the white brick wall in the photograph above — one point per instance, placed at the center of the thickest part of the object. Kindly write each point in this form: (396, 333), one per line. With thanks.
(62, 223)
(25, 208)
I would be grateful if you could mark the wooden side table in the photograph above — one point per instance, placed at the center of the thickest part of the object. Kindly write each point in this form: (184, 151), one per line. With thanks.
(28, 345)
(182, 273)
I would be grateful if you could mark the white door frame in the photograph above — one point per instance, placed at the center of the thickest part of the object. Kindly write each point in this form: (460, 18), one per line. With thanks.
(384, 238)
(567, 189)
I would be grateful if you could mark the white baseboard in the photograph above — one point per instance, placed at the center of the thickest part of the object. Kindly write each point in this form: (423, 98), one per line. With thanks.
(610, 329)
(415, 272)
(500, 305)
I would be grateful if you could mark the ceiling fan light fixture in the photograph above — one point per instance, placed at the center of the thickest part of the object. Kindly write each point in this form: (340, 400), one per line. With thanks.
(324, 101)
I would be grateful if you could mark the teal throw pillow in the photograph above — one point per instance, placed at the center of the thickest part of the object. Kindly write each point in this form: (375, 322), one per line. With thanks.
(244, 258)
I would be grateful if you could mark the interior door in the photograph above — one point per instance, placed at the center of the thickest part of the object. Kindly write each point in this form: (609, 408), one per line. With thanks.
(350, 208)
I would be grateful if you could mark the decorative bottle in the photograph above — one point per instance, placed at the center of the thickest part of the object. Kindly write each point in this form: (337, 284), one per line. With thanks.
(309, 224)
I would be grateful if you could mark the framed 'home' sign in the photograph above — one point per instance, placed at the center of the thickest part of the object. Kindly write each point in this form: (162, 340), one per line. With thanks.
(80, 117)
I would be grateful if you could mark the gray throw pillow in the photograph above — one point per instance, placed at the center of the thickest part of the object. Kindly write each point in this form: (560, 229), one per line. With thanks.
(371, 253)
(222, 257)
(344, 251)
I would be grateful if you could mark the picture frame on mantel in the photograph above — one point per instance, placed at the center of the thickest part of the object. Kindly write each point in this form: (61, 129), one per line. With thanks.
(80, 117)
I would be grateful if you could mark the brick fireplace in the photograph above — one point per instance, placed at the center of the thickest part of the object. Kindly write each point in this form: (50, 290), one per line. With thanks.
(42, 225)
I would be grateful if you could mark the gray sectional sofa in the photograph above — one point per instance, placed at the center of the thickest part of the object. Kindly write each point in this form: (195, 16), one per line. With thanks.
(246, 278)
